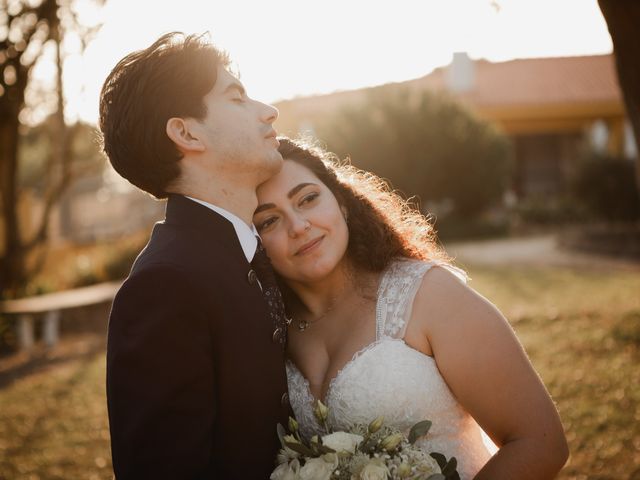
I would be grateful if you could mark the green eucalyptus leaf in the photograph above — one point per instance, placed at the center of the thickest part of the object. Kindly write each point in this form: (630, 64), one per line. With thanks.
(320, 449)
(451, 466)
(418, 430)
(450, 469)
(300, 448)
(437, 476)
(324, 449)
(281, 433)
(441, 459)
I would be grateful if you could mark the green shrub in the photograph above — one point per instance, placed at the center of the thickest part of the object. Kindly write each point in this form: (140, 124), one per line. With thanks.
(608, 189)
(452, 228)
(427, 145)
(550, 211)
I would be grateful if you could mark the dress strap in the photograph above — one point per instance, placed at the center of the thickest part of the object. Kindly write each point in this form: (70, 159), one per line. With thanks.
(397, 291)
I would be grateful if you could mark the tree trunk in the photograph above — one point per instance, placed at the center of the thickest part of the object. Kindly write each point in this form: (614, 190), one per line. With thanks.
(12, 267)
(623, 20)
(30, 36)
(12, 264)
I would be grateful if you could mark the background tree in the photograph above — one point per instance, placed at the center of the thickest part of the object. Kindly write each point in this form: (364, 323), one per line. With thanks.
(623, 19)
(27, 28)
(425, 144)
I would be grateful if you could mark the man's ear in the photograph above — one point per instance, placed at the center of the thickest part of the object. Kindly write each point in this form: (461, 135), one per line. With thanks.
(182, 132)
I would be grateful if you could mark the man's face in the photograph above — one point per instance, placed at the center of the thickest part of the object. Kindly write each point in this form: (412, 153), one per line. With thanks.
(238, 131)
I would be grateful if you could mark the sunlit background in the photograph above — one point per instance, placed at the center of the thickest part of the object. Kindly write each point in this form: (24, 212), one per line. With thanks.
(290, 48)
(502, 119)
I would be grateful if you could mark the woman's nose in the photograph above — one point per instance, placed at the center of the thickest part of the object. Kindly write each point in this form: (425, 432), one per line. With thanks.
(299, 226)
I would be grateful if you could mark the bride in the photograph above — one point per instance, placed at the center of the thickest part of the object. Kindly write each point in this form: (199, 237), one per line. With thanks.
(384, 325)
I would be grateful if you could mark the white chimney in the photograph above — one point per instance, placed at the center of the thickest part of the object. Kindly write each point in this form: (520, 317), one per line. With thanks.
(461, 74)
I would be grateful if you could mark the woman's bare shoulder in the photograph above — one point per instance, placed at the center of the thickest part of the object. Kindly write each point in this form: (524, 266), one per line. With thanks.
(444, 294)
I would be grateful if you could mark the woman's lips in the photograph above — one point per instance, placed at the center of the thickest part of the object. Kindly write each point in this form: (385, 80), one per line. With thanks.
(307, 247)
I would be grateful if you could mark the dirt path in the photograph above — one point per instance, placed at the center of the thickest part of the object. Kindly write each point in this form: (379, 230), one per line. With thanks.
(536, 250)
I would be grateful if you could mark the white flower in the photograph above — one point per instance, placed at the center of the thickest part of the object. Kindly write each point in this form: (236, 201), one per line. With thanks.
(287, 471)
(428, 466)
(317, 469)
(422, 461)
(357, 463)
(286, 454)
(331, 459)
(404, 470)
(342, 441)
(374, 470)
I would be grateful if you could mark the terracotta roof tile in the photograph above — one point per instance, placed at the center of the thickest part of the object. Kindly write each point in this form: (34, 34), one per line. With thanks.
(536, 80)
(576, 82)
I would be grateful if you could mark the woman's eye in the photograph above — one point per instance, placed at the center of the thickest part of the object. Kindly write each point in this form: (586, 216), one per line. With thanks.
(309, 198)
(266, 223)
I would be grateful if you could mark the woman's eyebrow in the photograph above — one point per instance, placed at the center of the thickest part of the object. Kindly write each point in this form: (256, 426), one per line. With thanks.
(297, 188)
(292, 192)
(263, 207)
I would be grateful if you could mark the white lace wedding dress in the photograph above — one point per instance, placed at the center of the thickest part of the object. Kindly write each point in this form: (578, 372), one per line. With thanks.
(390, 378)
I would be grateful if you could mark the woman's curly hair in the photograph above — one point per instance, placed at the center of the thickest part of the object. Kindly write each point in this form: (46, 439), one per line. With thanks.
(382, 225)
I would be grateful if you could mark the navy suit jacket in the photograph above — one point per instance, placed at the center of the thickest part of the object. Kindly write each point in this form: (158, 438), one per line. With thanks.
(195, 383)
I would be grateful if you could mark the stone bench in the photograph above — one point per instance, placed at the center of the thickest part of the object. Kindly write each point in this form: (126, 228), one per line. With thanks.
(49, 308)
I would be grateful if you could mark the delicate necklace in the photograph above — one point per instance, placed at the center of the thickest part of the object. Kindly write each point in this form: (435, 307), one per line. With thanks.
(304, 324)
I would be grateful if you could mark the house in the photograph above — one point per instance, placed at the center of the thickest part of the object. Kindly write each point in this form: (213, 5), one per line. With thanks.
(553, 109)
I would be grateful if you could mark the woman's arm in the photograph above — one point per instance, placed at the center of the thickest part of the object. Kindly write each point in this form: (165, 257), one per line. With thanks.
(488, 371)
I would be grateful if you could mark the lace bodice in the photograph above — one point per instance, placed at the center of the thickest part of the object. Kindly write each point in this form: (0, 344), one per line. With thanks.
(390, 378)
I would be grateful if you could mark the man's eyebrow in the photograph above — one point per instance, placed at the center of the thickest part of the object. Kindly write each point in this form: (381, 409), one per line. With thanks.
(292, 192)
(235, 86)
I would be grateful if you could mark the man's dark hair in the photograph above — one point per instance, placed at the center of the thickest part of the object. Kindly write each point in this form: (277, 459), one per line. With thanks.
(143, 91)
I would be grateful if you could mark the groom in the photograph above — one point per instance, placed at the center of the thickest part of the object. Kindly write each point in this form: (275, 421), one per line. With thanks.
(195, 364)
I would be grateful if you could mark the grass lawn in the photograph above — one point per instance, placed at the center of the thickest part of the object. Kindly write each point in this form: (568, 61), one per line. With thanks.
(581, 329)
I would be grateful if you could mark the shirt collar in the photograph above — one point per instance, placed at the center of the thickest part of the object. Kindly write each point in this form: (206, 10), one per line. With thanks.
(247, 235)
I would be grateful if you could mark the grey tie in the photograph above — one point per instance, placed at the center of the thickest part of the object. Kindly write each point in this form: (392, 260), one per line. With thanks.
(271, 293)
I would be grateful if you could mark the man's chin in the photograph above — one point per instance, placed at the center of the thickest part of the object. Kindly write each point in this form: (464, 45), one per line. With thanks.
(271, 165)
(275, 162)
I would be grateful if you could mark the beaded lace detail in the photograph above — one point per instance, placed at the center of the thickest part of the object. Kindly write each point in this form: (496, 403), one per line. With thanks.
(395, 295)
(390, 378)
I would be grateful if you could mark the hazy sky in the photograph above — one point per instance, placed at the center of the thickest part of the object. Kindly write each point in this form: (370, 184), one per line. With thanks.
(285, 48)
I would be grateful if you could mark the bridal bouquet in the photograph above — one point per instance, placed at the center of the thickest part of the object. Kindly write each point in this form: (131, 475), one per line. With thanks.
(366, 452)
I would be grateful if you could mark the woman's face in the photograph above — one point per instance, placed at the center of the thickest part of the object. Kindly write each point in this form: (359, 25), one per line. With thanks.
(301, 224)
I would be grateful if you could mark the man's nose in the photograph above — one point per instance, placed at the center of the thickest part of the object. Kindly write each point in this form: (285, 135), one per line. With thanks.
(269, 113)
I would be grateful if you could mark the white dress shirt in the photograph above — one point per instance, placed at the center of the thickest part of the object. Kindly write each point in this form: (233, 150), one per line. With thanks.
(246, 234)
